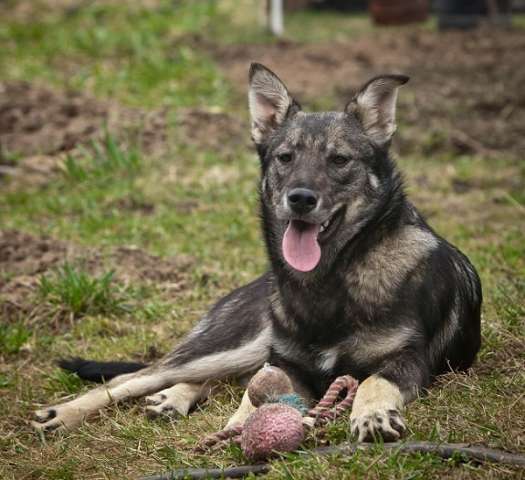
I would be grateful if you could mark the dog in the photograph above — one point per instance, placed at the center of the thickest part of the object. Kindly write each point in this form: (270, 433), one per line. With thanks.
(358, 282)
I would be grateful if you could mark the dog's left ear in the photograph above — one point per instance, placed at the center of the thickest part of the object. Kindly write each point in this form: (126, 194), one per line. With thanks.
(269, 102)
(375, 106)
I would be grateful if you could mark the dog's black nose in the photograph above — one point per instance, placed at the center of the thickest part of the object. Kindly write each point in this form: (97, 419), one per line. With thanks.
(302, 200)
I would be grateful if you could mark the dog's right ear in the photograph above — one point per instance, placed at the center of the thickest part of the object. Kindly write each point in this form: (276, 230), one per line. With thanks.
(269, 101)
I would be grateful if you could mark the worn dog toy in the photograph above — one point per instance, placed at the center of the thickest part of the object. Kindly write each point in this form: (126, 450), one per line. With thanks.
(274, 427)
(268, 384)
(278, 425)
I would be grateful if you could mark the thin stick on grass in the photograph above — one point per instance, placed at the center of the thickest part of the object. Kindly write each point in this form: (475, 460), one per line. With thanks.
(461, 451)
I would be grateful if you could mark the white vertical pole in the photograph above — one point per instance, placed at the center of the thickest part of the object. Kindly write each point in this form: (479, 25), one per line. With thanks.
(276, 17)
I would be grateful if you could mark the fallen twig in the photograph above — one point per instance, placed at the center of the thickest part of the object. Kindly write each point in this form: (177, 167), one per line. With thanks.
(444, 450)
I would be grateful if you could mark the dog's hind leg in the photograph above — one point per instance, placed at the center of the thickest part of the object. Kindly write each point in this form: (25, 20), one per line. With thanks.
(168, 372)
(233, 339)
(176, 400)
(72, 413)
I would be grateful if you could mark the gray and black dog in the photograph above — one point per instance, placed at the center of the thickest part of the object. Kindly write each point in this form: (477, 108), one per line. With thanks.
(359, 283)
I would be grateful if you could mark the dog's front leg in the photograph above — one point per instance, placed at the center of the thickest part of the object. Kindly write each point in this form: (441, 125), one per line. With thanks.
(381, 398)
(246, 408)
(376, 411)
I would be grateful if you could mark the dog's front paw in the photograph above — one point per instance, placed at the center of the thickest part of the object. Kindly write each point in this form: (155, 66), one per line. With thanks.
(376, 411)
(377, 424)
(59, 417)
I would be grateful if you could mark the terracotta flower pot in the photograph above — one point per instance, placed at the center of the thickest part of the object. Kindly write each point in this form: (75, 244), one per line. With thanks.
(398, 12)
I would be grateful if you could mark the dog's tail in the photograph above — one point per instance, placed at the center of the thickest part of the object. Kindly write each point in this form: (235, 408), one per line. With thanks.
(98, 371)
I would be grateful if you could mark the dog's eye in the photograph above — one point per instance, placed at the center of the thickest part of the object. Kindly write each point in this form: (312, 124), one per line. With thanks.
(285, 157)
(339, 160)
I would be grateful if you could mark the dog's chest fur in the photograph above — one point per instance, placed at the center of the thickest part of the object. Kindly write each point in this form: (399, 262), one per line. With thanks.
(312, 331)
(343, 324)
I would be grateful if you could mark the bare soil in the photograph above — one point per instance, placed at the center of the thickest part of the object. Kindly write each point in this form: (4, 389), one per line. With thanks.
(466, 93)
(213, 130)
(40, 125)
(24, 258)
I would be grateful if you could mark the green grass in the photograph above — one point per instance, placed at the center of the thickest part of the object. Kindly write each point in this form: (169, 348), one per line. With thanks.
(63, 382)
(204, 204)
(102, 162)
(13, 337)
(77, 293)
(84, 206)
(132, 54)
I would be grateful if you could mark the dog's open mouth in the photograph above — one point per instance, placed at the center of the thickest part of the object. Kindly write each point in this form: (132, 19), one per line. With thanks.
(301, 241)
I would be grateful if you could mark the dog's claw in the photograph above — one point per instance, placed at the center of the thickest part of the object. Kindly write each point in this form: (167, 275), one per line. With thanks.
(59, 417)
(385, 424)
(47, 427)
(156, 399)
(160, 405)
(162, 410)
(42, 416)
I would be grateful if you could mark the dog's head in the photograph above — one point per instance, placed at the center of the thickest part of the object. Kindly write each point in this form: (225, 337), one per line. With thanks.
(323, 174)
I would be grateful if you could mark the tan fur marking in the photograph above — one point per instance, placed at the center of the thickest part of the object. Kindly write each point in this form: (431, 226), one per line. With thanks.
(354, 210)
(379, 343)
(376, 393)
(278, 311)
(386, 266)
(243, 359)
(277, 307)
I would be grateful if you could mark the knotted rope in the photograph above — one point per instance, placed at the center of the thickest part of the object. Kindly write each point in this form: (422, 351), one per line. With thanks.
(327, 409)
(218, 439)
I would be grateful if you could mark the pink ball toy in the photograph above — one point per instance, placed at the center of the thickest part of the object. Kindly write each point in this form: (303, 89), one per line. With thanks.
(272, 428)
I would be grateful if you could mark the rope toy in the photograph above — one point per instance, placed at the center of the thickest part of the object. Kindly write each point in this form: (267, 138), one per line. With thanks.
(278, 424)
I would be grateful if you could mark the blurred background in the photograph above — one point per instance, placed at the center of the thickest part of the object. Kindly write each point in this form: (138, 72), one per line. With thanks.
(128, 201)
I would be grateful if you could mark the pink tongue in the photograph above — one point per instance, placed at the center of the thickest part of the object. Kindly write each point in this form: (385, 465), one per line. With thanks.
(300, 247)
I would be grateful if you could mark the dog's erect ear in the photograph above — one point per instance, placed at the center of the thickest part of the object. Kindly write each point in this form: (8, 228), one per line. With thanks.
(269, 101)
(375, 106)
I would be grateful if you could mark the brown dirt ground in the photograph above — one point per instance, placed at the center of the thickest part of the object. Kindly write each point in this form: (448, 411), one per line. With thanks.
(466, 93)
(24, 258)
(41, 125)
(213, 129)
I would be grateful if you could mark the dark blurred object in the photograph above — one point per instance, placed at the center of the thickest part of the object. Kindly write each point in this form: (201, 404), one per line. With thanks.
(293, 5)
(466, 14)
(399, 12)
(518, 5)
(341, 5)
